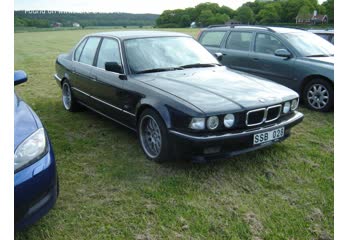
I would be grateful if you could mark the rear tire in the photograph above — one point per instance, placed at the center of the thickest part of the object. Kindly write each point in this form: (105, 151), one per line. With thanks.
(153, 136)
(318, 95)
(68, 100)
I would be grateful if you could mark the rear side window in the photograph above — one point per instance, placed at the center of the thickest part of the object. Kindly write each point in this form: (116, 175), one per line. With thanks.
(239, 41)
(78, 50)
(109, 52)
(267, 44)
(89, 51)
(212, 39)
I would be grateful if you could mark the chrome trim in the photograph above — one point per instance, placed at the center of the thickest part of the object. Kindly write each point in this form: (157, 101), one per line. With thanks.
(297, 117)
(108, 104)
(252, 111)
(279, 112)
(57, 77)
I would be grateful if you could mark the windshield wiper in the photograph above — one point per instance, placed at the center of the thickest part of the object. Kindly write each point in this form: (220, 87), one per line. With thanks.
(320, 55)
(160, 70)
(199, 65)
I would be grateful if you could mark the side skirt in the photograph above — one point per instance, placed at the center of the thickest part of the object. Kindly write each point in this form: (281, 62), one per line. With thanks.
(93, 109)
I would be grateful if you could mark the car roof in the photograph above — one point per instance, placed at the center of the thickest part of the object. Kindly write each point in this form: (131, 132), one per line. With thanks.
(122, 35)
(329, 31)
(257, 27)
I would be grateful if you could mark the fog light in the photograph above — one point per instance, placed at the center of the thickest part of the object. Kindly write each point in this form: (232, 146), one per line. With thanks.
(213, 122)
(286, 107)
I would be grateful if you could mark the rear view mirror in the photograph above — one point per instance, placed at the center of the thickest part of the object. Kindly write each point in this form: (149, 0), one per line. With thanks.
(20, 77)
(114, 67)
(283, 53)
(218, 56)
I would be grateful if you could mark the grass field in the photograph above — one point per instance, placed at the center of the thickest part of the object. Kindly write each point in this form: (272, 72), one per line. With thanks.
(108, 190)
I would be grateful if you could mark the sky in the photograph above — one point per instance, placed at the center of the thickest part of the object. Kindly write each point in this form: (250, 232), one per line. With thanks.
(129, 6)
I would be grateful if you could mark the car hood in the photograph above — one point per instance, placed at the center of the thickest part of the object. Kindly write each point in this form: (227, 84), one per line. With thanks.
(219, 89)
(26, 121)
(326, 60)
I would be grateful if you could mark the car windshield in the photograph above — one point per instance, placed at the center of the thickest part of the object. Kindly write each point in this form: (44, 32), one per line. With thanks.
(309, 44)
(166, 54)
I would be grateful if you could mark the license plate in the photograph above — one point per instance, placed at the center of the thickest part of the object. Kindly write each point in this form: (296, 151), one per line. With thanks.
(268, 136)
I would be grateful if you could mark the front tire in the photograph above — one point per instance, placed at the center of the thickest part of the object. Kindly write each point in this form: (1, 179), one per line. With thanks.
(318, 95)
(68, 100)
(153, 136)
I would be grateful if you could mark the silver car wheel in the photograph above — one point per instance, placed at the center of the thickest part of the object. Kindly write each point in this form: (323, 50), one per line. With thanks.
(150, 136)
(318, 96)
(66, 96)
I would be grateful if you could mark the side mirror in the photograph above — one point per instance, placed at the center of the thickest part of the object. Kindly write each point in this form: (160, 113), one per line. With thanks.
(283, 53)
(114, 67)
(20, 77)
(218, 56)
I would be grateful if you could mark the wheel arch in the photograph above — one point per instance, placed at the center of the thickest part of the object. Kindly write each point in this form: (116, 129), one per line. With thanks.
(310, 78)
(159, 108)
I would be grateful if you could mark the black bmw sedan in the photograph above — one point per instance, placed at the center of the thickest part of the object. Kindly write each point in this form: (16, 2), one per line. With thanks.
(175, 95)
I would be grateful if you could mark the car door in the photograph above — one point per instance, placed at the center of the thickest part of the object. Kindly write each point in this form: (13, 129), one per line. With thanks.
(82, 67)
(107, 88)
(236, 50)
(266, 64)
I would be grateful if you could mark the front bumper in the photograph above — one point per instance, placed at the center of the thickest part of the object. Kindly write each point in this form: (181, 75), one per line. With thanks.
(228, 144)
(36, 190)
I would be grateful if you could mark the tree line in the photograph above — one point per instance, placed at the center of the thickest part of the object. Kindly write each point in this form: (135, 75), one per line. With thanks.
(45, 18)
(257, 12)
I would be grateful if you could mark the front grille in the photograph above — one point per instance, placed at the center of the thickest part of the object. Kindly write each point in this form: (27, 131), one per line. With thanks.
(259, 116)
(255, 117)
(273, 113)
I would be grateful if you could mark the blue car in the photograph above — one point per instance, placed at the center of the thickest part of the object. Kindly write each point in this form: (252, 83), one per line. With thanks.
(36, 182)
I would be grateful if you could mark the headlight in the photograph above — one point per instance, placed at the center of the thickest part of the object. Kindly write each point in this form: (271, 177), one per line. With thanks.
(197, 123)
(213, 122)
(229, 120)
(286, 107)
(295, 104)
(31, 148)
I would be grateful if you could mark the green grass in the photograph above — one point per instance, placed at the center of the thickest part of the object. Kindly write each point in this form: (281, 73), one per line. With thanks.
(110, 191)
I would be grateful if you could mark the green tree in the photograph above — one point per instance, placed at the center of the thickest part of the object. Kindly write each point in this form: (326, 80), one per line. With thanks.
(205, 18)
(329, 6)
(245, 15)
(304, 12)
(268, 14)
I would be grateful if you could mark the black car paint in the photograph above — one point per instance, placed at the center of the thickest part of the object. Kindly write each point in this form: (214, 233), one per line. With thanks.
(176, 95)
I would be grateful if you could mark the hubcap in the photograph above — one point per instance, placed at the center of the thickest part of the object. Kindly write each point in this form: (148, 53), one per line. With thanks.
(151, 138)
(318, 96)
(66, 96)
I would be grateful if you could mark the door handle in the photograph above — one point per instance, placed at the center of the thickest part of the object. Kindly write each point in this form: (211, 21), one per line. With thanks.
(256, 59)
(94, 78)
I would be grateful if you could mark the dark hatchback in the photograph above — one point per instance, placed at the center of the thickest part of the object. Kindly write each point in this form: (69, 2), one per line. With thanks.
(175, 95)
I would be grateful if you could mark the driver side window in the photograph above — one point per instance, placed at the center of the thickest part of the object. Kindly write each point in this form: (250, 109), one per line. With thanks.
(267, 44)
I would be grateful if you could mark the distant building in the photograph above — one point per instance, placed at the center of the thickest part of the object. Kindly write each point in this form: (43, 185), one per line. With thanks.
(312, 19)
(193, 25)
(76, 24)
(56, 24)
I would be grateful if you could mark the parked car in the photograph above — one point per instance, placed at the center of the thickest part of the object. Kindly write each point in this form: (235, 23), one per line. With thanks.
(175, 95)
(294, 58)
(35, 175)
(325, 34)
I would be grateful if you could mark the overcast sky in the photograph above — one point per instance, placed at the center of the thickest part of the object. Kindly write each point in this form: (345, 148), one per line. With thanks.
(129, 6)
